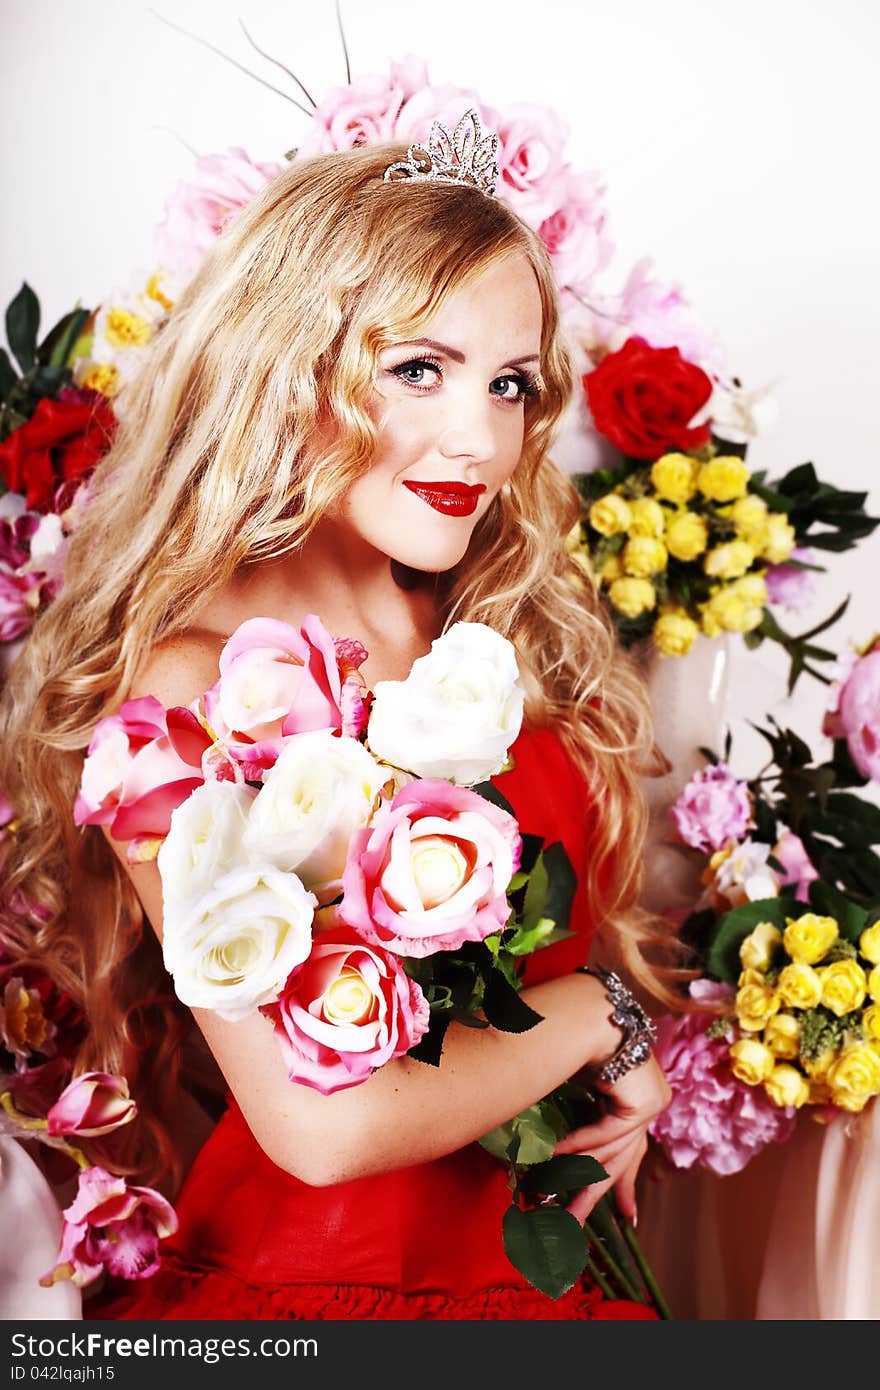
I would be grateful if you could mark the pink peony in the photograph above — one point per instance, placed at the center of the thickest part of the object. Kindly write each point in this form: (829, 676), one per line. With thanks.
(798, 870)
(198, 209)
(432, 871)
(142, 763)
(853, 709)
(712, 809)
(574, 233)
(712, 1119)
(94, 1103)
(348, 1009)
(111, 1226)
(790, 587)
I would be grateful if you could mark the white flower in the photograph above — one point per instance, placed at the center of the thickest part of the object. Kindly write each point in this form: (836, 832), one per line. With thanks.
(46, 541)
(738, 415)
(205, 841)
(319, 792)
(458, 711)
(745, 875)
(233, 950)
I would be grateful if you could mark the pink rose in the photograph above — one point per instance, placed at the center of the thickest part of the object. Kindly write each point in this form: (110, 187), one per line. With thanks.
(574, 232)
(532, 139)
(797, 867)
(142, 763)
(199, 209)
(712, 809)
(94, 1103)
(111, 1226)
(790, 587)
(276, 681)
(853, 709)
(432, 871)
(348, 1009)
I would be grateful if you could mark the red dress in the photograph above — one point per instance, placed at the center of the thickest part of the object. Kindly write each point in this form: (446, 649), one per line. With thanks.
(421, 1242)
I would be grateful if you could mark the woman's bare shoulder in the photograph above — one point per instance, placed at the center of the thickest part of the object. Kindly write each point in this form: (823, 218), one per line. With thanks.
(180, 668)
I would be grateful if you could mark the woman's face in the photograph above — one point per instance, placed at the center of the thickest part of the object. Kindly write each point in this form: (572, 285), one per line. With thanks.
(449, 406)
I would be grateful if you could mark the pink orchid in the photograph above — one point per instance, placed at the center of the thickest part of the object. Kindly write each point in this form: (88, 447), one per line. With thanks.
(853, 709)
(712, 809)
(111, 1226)
(348, 1009)
(432, 871)
(94, 1103)
(199, 208)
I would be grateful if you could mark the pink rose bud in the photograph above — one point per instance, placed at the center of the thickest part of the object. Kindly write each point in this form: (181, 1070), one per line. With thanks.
(94, 1103)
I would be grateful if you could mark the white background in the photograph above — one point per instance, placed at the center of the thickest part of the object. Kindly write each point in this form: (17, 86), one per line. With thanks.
(737, 142)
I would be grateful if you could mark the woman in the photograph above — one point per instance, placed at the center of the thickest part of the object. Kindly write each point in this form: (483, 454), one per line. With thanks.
(348, 415)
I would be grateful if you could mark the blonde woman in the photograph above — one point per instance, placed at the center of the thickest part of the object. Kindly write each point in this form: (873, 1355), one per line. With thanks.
(347, 414)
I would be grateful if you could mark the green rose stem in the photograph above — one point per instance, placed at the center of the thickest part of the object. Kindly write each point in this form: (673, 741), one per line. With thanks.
(647, 1273)
(628, 1288)
(604, 1221)
(599, 1278)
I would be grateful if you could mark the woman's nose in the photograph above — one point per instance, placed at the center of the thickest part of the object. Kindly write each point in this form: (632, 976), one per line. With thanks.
(468, 430)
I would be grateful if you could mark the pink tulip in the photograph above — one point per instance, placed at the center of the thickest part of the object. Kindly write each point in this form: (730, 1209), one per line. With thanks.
(94, 1103)
(111, 1226)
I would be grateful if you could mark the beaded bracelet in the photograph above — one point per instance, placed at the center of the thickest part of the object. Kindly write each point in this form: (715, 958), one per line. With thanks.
(628, 1015)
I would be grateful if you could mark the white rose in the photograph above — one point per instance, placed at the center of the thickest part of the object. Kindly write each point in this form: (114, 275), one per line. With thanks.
(234, 948)
(458, 711)
(205, 841)
(319, 792)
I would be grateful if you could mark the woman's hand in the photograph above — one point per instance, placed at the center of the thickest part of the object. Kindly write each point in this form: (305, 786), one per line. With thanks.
(619, 1139)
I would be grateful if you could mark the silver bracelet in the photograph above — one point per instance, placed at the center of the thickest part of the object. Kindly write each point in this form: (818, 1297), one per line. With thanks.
(638, 1030)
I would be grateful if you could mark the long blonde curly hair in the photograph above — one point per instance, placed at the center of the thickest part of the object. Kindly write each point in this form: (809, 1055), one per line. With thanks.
(219, 461)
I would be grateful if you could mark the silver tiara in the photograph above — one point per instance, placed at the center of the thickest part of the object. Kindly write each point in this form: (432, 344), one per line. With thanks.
(467, 156)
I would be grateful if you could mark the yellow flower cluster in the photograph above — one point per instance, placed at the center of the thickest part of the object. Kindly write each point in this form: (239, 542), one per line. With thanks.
(809, 1007)
(671, 511)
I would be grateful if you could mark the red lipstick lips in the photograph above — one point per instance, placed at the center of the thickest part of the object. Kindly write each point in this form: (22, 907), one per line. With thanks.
(453, 499)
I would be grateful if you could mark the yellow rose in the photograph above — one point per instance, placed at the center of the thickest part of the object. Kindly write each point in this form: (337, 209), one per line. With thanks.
(871, 1023)
(782, 1035)
(729, 561)
(648, 517)
(787, 1086)
(749, 516)
(755, 1003)
(820, 1093)
(736, 608)
(759, 947)
(632, 597)
(644, 556)
(674, 477)
(780, 539)
(751, 1061)
(820, 1066)
(855, 1077)
(611, 569)
(674, 634)
(869, 943)
(809, 937)
(843, 986)
(610, 514)
(752, 587)
(686, 535)
(709, 623)
(874, 984)
(723, 478)
(799, 986)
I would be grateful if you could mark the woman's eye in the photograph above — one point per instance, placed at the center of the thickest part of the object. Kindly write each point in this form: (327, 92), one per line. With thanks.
(509, 388)
(418, 373)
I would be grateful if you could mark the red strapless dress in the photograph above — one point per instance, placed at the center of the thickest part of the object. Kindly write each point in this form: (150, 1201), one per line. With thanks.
(421, 1242)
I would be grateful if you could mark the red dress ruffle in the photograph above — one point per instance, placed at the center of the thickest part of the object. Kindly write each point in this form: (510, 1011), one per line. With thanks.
(423, 1242)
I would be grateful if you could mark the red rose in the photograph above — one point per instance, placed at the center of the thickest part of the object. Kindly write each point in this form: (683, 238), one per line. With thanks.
(643, 399)
(61, 443)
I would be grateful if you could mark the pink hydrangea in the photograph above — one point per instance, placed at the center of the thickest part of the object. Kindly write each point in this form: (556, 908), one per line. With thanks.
(853, 709)
(712, 1119)
(110, 1226)
(798, 870)
(348, 1009)
(712, 809)
(199, 208)
(790, 587)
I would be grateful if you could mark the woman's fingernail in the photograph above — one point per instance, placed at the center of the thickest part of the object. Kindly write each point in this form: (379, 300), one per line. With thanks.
(635, 1218)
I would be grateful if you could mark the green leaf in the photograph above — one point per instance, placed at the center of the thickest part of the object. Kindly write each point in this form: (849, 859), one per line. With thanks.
(563, 1174)
(829, 902)
(8, 377)
(547, 1246)
(490, 792)
(562, 883)
(536, 895)
(852, 820)
(22, 326)
(532, 1132)
(429, 1048)
(505, 1008)
(56, 347)
(525, 941)
(732, 929)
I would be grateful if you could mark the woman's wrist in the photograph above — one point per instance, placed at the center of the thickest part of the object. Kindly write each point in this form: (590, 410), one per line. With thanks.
(629, 1026)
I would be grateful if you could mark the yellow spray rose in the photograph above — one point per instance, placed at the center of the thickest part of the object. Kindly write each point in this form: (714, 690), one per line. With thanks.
(751, 1061)
(686, 535)
(869, 943)
(779, 540)
(610, 514)
(738, 607)
(674, 477)
(729, 561)
(855, 1077)
(674, 634)
(755, 1003)
(799, 986)
(723, 478)
(759, 947)
(782, 1035)
(871, 1023)
(809, 937)
(632, 597)
(749, 516)
(844, 986)
(648, 517)
(611, 569)
(874, 984)
(644, 556)
(787, 1086)
(820, 1066)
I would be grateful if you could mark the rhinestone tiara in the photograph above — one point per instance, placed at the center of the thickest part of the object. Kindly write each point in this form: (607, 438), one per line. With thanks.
(466, 156)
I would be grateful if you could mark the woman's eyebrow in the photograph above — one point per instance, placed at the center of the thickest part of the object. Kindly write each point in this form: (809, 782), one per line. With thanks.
(456, 356)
